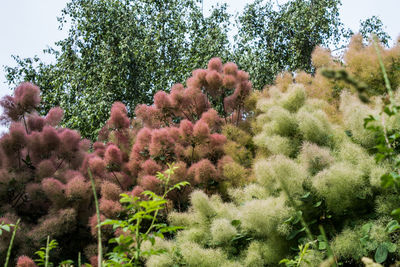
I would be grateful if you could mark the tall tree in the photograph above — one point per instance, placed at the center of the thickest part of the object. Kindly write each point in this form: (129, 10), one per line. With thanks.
(122, 50)
(274, 38)
(126, 50)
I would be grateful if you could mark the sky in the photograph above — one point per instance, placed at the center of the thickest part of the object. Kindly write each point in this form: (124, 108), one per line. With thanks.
(29, 26)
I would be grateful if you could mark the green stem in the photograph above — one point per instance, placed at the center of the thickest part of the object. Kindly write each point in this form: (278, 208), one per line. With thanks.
(329, 249)
(293, 204)
(100, 248)
(11, 243)
(46, 257)
(138, 243)
(385, 77)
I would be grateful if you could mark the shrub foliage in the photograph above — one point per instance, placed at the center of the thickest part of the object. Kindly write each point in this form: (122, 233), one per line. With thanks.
(271, 172)
(45, 180)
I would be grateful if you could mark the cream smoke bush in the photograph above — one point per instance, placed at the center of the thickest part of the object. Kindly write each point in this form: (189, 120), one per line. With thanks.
(309, 138)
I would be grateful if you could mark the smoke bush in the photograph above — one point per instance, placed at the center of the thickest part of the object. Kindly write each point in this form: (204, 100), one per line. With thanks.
(312, 157)
(263, 216)
(222, 231)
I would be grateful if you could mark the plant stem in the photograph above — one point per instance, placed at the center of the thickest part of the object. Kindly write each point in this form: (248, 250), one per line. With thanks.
(293, 203)
(137, 256)
(11, 243)
(46, 257)
(385, 77)
(100, 248)
(329, 249)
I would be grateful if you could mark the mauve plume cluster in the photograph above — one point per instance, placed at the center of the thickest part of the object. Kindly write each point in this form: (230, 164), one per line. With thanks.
(44, 168)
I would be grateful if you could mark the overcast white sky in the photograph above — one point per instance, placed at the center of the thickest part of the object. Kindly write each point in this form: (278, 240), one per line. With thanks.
(29, 26)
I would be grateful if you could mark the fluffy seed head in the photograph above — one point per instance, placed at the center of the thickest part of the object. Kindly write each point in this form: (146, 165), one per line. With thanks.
(25, 261)
(27, 95)
(203, 171)
(263, 216)
(18, 135)
(162, 100)
(77, 189)
(230, 68)
(222, 231)
(70, 139)
(53, 189)
(214, 80)
(278, 172)
(186, 128)
(151, 183)
(161, 142)
(229, 81)
(315, 158)
(242, 75)
(212, 118)
(118, 117)
(50, 138)
(35, 123)
(113, 157)
(110, 208)
(54, 116)
(45, 169)
(110, 191)
(143, 137)
(341, 186)
(200, 74)
(150, 167)
(201, 130)
(321, 57)
(137, 191)
(97, 165)
(215, 64)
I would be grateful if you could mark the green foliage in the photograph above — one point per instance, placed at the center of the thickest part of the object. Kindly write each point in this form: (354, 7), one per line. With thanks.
(326, 178)
(44, 253)
(283, 38)
(128, 248)
(122, 51)
(299, 259)
(128, 50)
(6, 227)
(374, 25)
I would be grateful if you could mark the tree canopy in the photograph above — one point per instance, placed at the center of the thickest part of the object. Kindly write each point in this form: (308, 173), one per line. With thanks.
(126, 50)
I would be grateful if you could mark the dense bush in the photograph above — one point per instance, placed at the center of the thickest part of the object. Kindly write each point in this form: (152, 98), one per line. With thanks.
(41, 182)
(45, 168)
(314, 162)
(268, 170)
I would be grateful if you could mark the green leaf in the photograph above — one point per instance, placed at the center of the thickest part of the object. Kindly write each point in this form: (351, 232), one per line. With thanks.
(391, 247)
(396, 212)
(306, 195)
(381, 253)
(6, 227)
(236, 223)
(318, 204)
(366, 228)
(364, 240)
(387, 180)
(294, 233)
(392, 226)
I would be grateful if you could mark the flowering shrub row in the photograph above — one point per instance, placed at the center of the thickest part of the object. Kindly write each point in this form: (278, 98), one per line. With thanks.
(314, 164)
(44, 168)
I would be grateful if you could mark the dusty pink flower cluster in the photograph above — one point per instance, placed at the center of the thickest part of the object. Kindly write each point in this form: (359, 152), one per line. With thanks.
(44, 168)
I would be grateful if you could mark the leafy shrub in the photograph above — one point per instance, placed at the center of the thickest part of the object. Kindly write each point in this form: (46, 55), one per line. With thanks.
(44, 168)
(314, 166)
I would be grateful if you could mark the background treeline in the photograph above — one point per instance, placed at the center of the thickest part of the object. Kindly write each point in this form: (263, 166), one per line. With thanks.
(125, 50)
